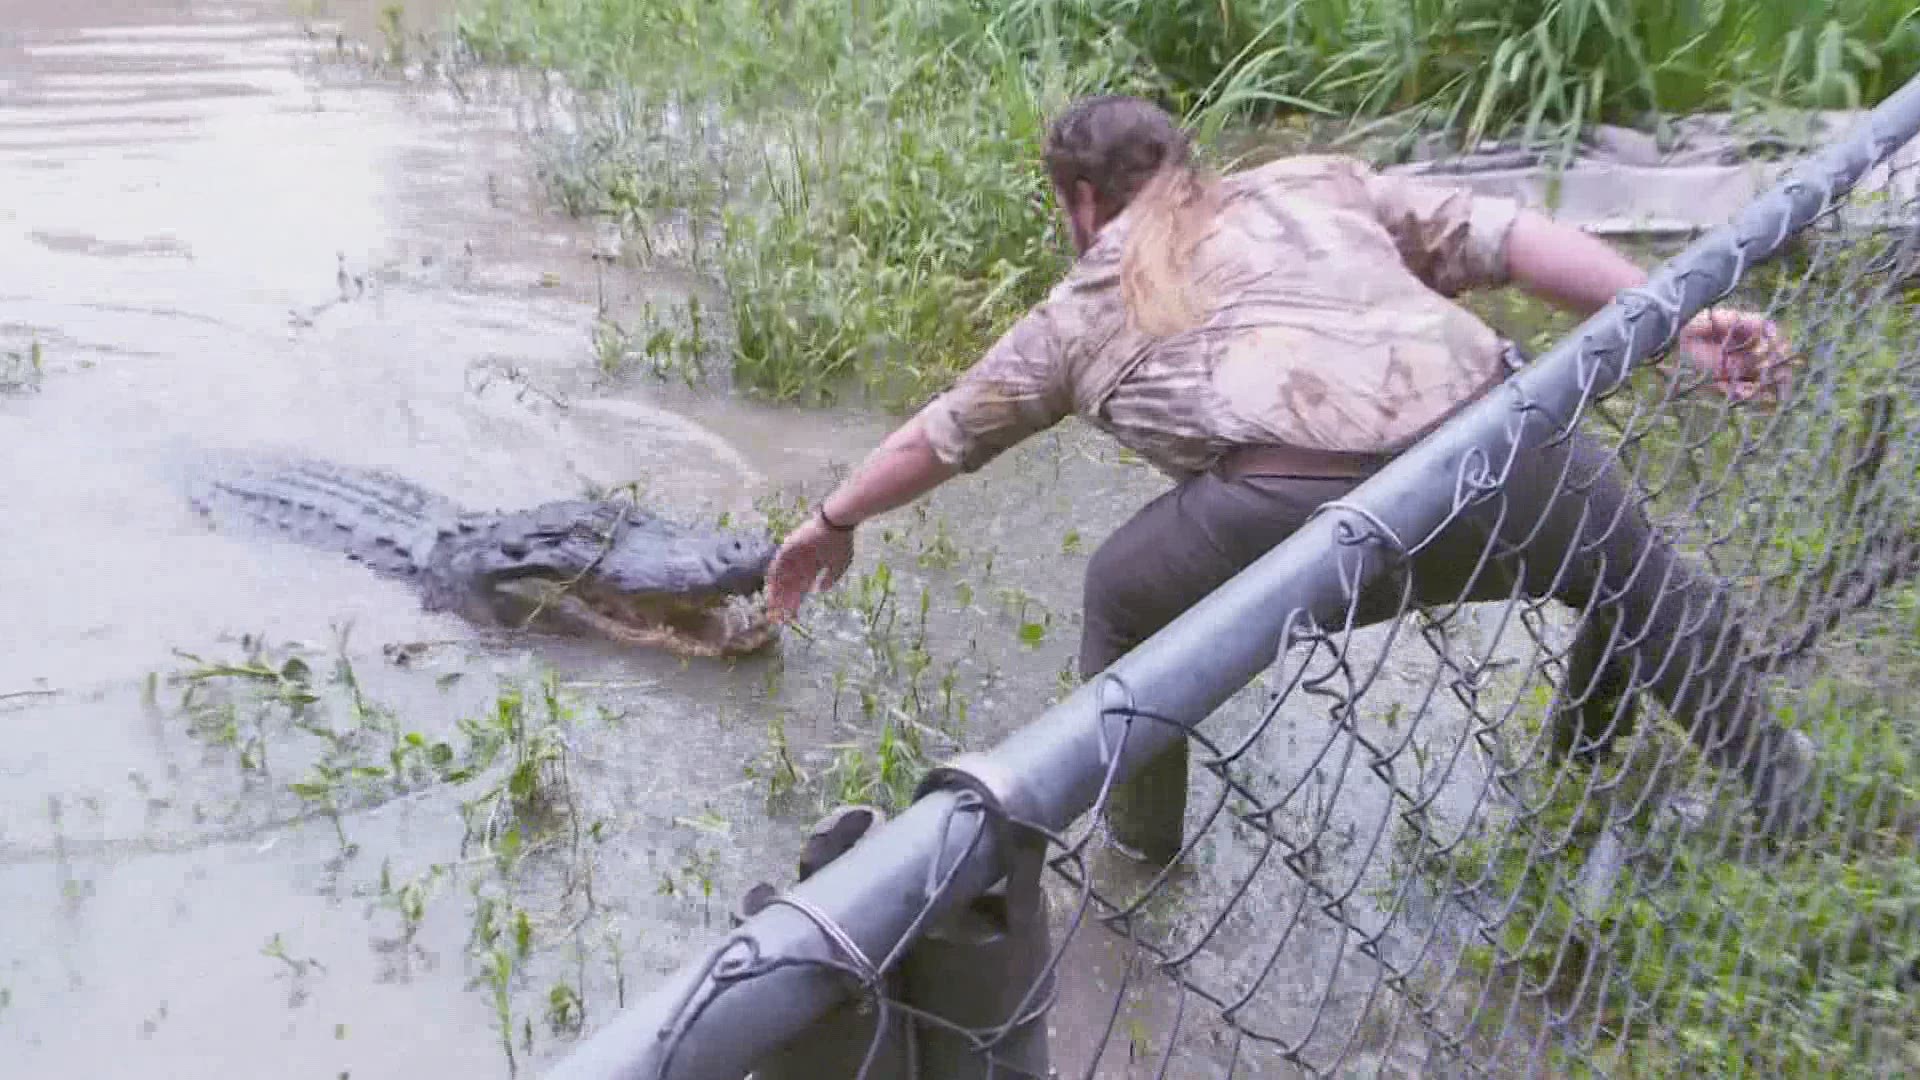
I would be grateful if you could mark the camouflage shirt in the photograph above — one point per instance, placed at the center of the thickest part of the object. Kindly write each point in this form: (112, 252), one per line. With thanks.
(1330, 328)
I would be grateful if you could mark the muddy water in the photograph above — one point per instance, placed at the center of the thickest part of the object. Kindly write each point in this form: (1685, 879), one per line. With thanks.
(219, 246)
(221, 240)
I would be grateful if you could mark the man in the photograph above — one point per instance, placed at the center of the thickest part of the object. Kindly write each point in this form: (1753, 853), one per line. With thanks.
(1271, 338)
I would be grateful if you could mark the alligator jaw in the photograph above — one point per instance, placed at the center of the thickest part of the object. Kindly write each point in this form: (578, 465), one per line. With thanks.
(707, 627)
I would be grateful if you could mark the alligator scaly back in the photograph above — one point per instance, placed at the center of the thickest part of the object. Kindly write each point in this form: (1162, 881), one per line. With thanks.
(370, 515)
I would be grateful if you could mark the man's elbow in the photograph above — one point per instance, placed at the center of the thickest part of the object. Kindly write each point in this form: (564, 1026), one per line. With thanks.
(1535, 245)
(1567, 264)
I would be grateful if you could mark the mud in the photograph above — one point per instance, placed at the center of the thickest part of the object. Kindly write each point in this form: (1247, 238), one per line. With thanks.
(221, 235)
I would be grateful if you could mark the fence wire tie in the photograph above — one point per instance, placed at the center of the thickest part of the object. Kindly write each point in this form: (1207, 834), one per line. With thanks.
(1109, 752)
(720, 969)
(863, 968)
(1354, 536)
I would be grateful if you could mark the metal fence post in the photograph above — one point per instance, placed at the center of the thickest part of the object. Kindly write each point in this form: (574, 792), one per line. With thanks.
(986, 968)
(841, 1042)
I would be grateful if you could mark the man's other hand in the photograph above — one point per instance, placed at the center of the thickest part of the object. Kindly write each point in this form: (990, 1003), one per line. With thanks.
(1743, 352)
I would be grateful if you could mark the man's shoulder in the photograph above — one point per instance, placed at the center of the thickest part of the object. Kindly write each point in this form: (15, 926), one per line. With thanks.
(1341, 177)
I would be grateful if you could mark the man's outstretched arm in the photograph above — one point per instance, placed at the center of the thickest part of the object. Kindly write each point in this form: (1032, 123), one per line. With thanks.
(1455, 239)
(902, 469)
(1582, 273)
(1567, 266)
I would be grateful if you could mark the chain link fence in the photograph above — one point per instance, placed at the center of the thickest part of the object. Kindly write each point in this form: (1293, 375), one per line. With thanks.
(1637, 792)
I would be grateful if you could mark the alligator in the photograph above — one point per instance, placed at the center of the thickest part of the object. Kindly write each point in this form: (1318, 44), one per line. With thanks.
(593, 567)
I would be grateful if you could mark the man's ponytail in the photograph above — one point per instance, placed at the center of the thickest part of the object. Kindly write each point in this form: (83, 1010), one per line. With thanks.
(1137, 159)
(1170, 217)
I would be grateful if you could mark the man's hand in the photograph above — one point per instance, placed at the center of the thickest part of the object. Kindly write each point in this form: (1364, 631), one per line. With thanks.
(1581, 273)
(812, 555)
(1743, 352)
(815, 556)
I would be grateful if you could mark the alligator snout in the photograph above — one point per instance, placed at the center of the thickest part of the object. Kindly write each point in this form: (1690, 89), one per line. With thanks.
(743, 565)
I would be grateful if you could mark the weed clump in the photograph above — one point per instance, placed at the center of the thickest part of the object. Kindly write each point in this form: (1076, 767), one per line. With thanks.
(307, 741)
(22, 369)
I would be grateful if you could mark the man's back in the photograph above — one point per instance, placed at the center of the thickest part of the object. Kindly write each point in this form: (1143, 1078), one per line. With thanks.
(1324, 323)
(1326, 326)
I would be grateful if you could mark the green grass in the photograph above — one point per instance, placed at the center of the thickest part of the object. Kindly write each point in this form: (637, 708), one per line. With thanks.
(1702, 959)
(1708, 956)
(1490, 66)
(874, 229)
(871, 200)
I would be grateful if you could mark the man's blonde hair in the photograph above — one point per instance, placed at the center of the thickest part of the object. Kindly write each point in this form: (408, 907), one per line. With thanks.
(1136, 158)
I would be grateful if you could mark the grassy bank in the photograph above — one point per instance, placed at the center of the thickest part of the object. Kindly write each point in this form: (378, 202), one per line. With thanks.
(870, 200)
(1700, 958)
(874, 208)
(1703, 956)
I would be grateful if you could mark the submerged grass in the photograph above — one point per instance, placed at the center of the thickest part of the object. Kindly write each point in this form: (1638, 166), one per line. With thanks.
(863, 180)
(22, 369)
(306, 740)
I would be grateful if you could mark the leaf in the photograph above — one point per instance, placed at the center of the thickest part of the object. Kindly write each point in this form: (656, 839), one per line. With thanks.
(521, 784)
(522, 934)
(1032, 633)
(707, 822)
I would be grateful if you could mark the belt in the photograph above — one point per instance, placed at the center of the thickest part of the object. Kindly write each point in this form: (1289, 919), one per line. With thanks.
(1241, 462)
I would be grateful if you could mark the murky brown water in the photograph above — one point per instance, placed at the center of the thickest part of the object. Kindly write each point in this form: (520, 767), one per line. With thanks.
(182, 196)
(219, 245)
(221, 242)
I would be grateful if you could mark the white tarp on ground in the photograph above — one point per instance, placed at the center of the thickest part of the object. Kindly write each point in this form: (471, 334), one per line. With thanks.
(1693, 176)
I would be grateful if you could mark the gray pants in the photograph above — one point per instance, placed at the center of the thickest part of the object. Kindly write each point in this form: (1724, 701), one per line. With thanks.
(1565, 526)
